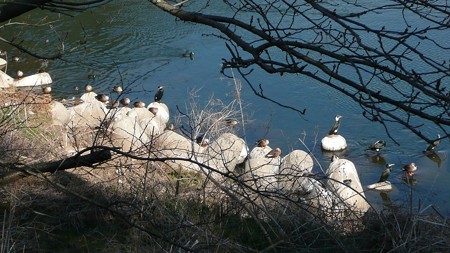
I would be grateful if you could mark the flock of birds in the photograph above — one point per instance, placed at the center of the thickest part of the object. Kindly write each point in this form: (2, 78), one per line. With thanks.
(126, 101)
(409, 169)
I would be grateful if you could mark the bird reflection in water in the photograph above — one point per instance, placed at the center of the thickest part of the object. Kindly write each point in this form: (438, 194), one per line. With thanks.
(434, 156)
(378, 159)
(386, 200)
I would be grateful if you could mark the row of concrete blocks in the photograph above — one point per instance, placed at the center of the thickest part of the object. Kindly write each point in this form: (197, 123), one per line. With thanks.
(133, 128)
(288, 175)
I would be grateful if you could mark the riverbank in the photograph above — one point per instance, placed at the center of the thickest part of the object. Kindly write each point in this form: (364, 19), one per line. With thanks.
(136, 203)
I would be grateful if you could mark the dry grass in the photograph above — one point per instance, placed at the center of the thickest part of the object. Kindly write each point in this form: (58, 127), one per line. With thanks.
(129, 205)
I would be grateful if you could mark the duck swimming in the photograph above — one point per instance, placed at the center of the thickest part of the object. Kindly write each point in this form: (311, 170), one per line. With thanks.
(409, 169)
(377, 146)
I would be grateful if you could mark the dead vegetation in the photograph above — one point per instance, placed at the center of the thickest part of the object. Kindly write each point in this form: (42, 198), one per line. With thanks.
(136, 203)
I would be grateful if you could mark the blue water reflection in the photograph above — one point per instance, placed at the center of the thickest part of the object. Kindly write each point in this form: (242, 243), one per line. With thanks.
(142, 48)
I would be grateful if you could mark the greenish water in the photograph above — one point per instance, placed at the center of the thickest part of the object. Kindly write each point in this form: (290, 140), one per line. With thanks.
(142, 48)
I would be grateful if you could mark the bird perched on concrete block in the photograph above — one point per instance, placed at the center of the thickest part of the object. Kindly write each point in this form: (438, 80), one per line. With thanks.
(385, 175)
(262, 143)
(202, 140)
(334, 129)
(139, 104)
(102, 98)
(125, 101)
(159, 93)
(377, 146)
(274, 153)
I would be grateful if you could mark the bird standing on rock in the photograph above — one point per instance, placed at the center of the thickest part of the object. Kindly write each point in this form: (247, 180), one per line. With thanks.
(377, 146)
(432, 146)
(159, 93)
(274, 153)
(410, 168)
(334, 129)
(102, 98)
(139, 104)
(125, 101)
(262, 143)
(202, 141)
(385, 175)
(231, 122)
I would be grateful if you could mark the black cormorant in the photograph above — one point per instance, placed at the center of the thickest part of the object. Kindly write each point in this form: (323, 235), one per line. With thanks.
(334, 129)
(159, 93)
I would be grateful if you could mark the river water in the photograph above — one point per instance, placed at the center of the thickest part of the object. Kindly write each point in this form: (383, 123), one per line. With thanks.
(142, 47)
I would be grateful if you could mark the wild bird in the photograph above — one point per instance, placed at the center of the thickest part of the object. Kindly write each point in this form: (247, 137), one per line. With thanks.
(139, 104)
(115, 104)
(202, 140)
(102, 98)
(88, 88)
(385, 175)
(262, 143)
(170, 127)
(274, 153)
(47, 89)
(377, 146)
(334, 129)
(409, 169)
(125, 101)
(117, 89)
(188, 54)
(432, 146)
(231, 122)
(159, 93)
(153, 110)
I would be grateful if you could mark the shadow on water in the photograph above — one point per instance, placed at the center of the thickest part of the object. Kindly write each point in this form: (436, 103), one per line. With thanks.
(434, 156)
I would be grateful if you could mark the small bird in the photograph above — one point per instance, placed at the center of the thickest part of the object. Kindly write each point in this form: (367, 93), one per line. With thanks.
(262, 143)
(334, 158)
(47, 90)
(115, 104)
(102, 98)
(170, 127)
(139, 104)
(410, 168)
(334, 129)
(231, 122)
(125, 101)
(88, 88)
(19, 74)
(202, 141)
(159, 93)
(432, 146)
(347, 181)
(16, 58)
(188, 54)
(276, 152)
(153, 110)
(117, 89)
(384, 176)
(377, 146)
